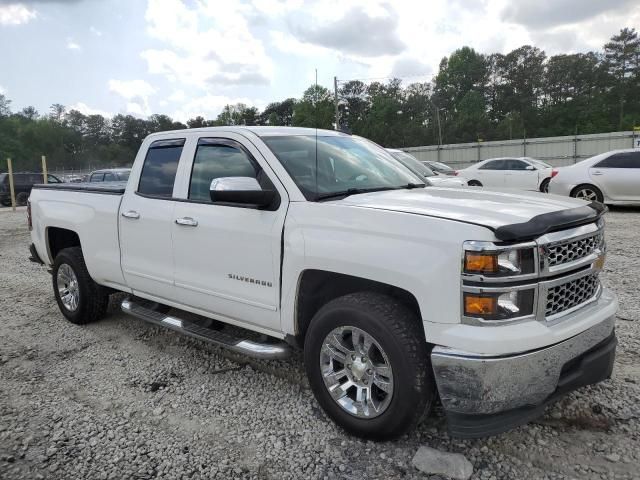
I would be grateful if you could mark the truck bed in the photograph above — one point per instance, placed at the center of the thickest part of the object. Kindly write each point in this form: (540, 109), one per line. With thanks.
(107, 188)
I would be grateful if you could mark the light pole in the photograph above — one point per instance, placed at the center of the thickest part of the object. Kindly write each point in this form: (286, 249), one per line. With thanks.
(435, 107)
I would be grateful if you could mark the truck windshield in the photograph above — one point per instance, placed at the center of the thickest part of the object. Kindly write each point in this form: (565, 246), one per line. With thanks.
(326, 165)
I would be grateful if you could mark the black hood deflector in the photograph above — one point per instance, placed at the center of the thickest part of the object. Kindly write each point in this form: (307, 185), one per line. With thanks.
(551, 222)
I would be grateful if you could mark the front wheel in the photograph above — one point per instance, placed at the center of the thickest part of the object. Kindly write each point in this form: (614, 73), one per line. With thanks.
(22, 198)
(474, 183)
(368, 365)
(590, 193)
(80, 299)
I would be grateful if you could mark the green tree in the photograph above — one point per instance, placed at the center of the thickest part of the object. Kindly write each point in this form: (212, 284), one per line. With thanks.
(623, 63)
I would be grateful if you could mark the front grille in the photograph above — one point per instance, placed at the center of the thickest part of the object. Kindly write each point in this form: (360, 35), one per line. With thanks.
(571, 294)
(567, 251)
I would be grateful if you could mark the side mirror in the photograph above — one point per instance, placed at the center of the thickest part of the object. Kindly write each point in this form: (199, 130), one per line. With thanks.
(240, 190)
(530, 167)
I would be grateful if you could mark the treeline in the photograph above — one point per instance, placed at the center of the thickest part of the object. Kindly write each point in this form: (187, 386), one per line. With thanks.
(473, 97)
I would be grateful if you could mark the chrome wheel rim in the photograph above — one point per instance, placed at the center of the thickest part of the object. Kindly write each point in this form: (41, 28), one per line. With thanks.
(356, 372)
(68, 287)
(587, 194)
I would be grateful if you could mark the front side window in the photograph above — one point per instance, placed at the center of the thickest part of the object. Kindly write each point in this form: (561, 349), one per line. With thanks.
(109, 177)
(217, 159)
(621, 160)
(123, 176)
(52, 179)
(159, 169)
(325, 166)
(96, 177)
(516, 165)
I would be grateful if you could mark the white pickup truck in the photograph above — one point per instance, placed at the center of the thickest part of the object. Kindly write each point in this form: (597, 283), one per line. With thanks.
(396, 292)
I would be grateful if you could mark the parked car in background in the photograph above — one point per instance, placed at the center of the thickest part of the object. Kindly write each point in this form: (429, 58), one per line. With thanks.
(424, 172)
(611, 177)
(73, 178)
(110, 175)
(521, 173)
(439, 167)
(22, 184)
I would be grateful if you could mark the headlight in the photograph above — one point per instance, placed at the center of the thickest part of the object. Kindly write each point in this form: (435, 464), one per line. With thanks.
(499, 305)
(489, 259)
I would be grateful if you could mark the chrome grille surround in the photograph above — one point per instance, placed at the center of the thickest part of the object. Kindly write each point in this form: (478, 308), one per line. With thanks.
(564, 295)
(570, 249)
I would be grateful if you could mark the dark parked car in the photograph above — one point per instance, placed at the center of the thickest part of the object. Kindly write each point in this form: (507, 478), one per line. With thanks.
(110, 175)
(22, 183)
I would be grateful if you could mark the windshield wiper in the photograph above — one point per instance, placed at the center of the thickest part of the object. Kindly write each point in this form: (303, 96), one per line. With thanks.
(352, 191)
(409, 186)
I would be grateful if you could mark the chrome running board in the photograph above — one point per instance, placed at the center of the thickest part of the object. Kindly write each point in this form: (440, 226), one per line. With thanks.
(269, 351)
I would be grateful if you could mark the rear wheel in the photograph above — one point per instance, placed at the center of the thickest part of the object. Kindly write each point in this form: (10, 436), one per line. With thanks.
(6, 203)
(590, 193)
(474, 183)
(22, 198)
(80, 299)
(544, 186)
(368, 365)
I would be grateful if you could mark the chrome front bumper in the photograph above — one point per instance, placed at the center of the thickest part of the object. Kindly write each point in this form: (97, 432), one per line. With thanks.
(484, 395)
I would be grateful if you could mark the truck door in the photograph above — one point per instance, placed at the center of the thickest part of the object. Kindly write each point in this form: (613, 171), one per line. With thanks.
(146, 215)
(227, 256)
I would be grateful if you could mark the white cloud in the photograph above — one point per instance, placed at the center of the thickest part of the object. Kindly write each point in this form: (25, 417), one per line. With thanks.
(136, 92)
(87, 110)
(207, 45)
(2, 90)
(95, 31)
(72, 45)
(16, 14)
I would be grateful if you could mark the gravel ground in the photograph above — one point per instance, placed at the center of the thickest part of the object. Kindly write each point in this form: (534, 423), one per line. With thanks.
(123, 399)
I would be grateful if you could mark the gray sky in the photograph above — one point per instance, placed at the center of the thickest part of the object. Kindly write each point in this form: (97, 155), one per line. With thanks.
(191, 57)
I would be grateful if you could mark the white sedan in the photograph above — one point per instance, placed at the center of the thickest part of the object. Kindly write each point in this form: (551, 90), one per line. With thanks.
(521, 173)
(612, 177)
(424, 172)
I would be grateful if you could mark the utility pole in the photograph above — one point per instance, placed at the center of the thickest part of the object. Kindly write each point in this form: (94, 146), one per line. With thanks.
(335, 101)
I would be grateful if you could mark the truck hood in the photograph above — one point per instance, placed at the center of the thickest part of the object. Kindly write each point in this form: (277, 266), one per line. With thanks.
(490, 208)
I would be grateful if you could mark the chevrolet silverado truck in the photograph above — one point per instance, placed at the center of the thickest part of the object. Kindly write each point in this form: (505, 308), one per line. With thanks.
(265, 239)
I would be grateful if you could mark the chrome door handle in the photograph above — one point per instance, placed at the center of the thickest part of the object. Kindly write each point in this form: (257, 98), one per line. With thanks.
(131, 214)
(597, 173)
(186, 222)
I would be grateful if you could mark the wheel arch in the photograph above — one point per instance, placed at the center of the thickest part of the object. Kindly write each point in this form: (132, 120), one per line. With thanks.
(59, 238)
(317, 287)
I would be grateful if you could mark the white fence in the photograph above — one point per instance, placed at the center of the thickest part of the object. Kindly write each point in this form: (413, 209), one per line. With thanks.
(558, 151)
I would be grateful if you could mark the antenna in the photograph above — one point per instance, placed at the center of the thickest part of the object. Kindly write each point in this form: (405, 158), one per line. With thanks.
(315, 120)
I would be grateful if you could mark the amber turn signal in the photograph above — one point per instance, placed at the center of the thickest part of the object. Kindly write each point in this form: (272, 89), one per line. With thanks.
(479, 305)
(480, 262)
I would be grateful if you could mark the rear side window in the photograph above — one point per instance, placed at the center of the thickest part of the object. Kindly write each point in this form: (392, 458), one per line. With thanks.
(216, 160)
(494, 165)
(159, 169)
(621, 160)
(96, 177)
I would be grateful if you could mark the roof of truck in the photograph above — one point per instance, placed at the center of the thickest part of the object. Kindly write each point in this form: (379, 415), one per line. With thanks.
(260, 131)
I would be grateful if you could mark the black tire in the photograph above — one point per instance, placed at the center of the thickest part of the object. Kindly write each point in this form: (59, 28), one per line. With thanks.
(6, 203)
(544, 186)
(585, 190)
(92, 298)
(399, 332)
(474, 183)
(22, 198)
